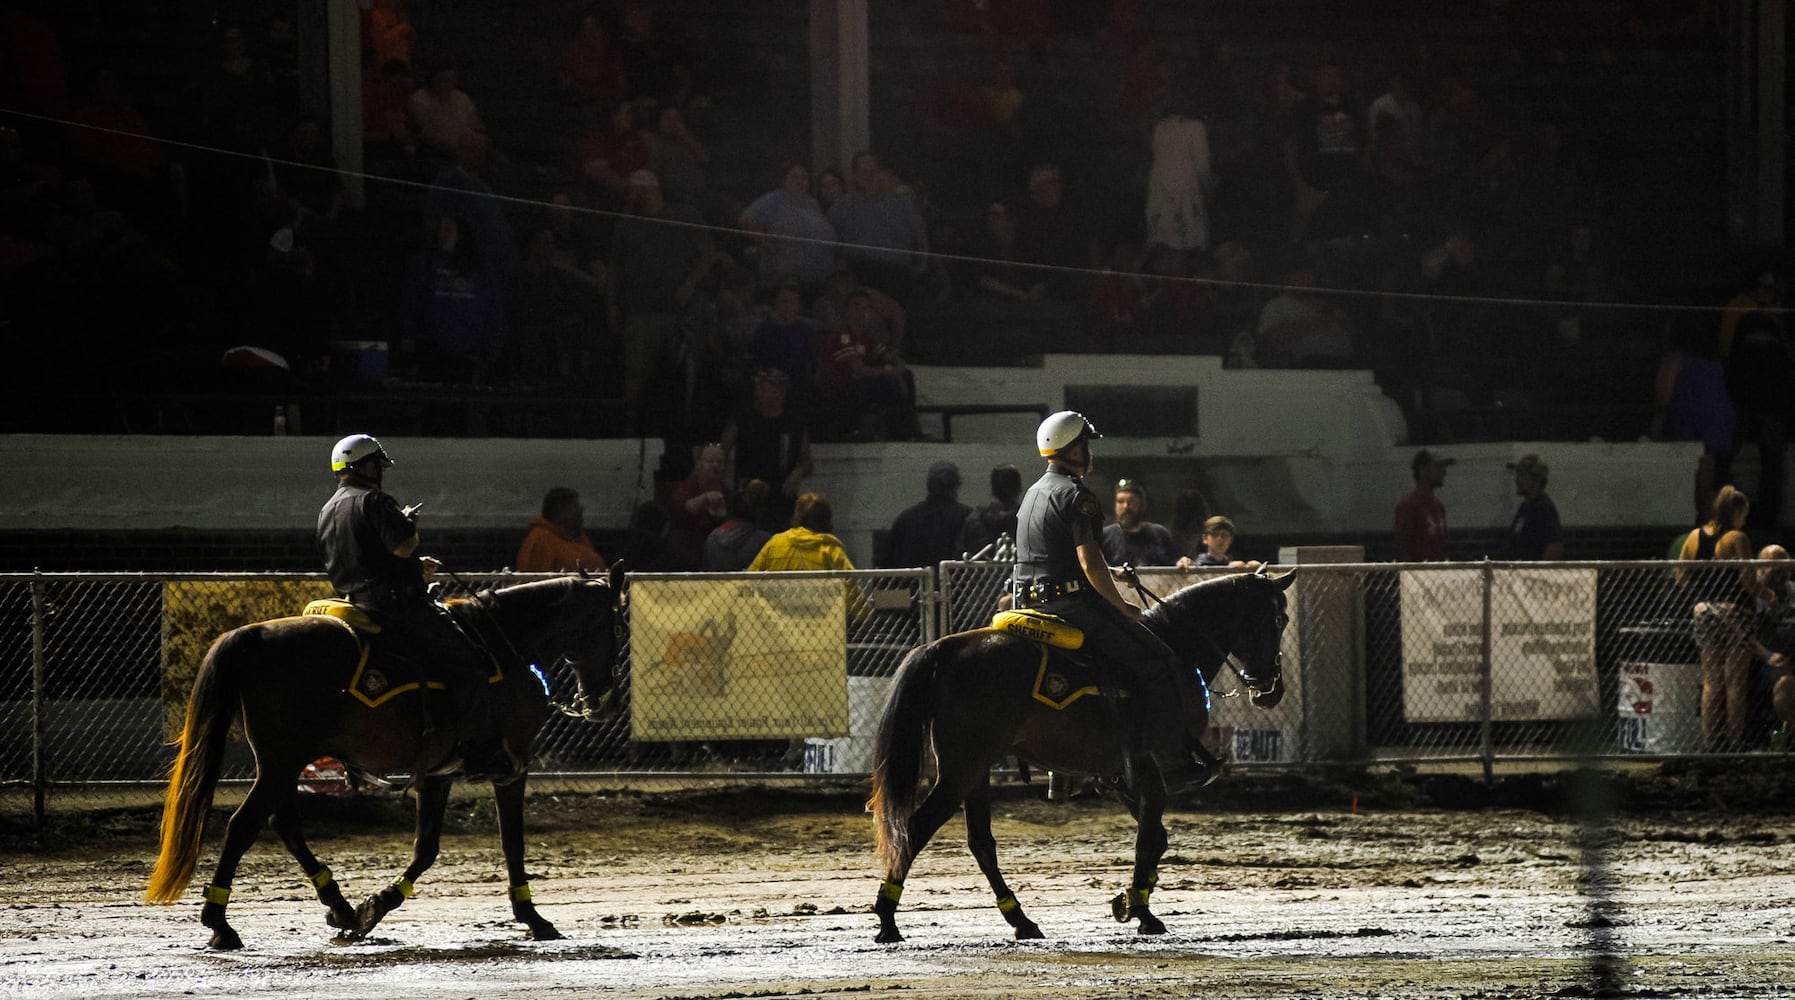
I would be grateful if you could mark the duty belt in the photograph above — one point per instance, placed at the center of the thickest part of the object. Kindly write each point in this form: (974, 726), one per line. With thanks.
(1038, 593)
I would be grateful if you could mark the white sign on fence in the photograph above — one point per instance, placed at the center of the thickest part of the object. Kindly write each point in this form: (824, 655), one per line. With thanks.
(1542, 645)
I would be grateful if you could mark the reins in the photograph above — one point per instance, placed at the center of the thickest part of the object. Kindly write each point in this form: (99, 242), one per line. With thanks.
(1130, 577)
(579, 708)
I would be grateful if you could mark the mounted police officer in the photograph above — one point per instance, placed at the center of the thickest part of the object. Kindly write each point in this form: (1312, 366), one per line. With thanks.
(1061, 570)
(369, 545)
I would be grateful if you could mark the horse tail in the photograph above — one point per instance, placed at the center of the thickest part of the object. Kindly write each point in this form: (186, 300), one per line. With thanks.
(898, 753)
(210, 710)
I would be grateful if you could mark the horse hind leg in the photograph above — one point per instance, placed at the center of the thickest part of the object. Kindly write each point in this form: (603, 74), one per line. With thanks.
(265, 797)
(936, 808)
(339, 914)
(433, 801)
(984, 849)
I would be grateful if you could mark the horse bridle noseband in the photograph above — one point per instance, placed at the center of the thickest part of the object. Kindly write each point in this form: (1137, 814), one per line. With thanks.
(1228, 659)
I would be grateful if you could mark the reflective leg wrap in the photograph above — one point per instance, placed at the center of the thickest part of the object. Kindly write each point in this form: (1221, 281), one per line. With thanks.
(1138, 897)
(403, 887)
(890, 890)
(521, 893)
(322, 879)
(219, 894)
(1008, 903)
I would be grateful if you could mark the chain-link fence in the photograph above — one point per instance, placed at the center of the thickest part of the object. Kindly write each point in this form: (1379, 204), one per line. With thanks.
(763, 674)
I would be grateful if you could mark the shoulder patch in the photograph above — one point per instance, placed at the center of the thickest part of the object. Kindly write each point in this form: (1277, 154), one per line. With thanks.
(1087, 505)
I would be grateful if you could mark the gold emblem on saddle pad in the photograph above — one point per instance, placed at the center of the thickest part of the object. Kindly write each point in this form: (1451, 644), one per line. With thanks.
(1039, 627)
(1053, 689)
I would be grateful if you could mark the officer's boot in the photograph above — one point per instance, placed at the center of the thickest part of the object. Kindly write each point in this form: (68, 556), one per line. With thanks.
(1187, 765)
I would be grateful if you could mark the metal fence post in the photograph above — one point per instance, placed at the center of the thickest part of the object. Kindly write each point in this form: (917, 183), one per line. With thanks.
(39, 773)
(1486, 681)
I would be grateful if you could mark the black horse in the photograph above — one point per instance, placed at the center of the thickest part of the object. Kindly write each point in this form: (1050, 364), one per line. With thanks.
(300, 688)
(979, 695)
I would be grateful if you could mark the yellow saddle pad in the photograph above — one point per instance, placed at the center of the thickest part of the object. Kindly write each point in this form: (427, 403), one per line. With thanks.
(336, 607)
(1044, 628)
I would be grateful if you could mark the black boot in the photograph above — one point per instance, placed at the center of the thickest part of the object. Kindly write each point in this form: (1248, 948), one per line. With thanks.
(1188, 771)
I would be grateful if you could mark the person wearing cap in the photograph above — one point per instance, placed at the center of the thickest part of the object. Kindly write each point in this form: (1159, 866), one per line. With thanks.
(660, 254)
(928, 532)
(1535, 532)
(1061, 570)
(1132, 540)
(1420, 534)
(369, 546)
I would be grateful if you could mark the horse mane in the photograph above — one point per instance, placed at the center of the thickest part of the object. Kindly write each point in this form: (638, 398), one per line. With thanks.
(1183, 617)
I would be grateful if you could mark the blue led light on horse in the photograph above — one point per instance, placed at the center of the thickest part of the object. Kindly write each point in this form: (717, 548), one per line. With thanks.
(540, 678)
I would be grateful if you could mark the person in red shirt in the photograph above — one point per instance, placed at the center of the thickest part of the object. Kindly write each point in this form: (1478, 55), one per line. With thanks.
(1420, 516)
(863, 385)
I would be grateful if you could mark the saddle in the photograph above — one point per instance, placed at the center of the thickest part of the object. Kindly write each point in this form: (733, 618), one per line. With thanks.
(1075, 676)
(375, 685)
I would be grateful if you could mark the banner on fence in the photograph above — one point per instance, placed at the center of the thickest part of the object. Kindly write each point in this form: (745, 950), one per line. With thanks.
(196, 612)
(738, 659)
(1542, 645)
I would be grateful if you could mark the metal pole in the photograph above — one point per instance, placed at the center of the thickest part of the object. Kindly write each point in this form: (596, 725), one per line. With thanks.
(1485, 736)
(39, 780)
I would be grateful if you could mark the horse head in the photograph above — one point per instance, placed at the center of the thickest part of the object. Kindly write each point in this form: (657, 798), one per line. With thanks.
(574, 620)
(1236, 619)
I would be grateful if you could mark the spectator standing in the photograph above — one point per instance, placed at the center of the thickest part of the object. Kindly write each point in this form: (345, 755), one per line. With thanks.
(1690, 403)
(1535, 532)
(1323, 150)
(1394, 124)
(1760, 371)
(1132, 539)
(1420, 531)
(680, 160)
(1775, 639)
(732, 545)
(441, 112)
(454, 309)
(1050, 231)
(809, 544)
(660, 255)
(1722, 623)
(557, 540)
(997, 518)
(928, 532)
(698, 504)
(591, 67)
(769, 442)
(881, 228)
(1180, 178)
(791, 223)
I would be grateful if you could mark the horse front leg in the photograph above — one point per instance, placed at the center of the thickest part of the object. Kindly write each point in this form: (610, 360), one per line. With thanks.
(433, 801)
(264, 798)
(340, 914)
(1149, 847)
(510, 800)
(984, 849)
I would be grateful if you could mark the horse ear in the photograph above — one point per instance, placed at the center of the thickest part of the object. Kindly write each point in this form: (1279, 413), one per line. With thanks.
(617, 577)
(1284, 581)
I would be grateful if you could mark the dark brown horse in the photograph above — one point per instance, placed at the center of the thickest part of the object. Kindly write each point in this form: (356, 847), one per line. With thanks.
(977, 696)
(300, 688)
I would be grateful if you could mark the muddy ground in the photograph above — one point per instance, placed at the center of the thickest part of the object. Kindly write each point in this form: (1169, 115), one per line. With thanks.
(1273, 887)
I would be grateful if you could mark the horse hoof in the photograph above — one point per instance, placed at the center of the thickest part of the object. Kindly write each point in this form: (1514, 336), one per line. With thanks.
(890, 936)
(1151, 925)
(1118, 908)
(225, 939)
(342, 920)
(1030, 932)
(544, 931)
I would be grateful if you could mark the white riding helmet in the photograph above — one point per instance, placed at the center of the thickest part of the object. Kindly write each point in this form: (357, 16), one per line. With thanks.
(353, 449)
(1063, 430)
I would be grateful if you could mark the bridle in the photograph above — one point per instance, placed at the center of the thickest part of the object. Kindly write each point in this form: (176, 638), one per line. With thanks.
(581, 707)
(1253, 685)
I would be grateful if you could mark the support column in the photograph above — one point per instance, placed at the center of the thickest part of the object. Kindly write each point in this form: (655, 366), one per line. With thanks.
(839, 89)
(343, 52)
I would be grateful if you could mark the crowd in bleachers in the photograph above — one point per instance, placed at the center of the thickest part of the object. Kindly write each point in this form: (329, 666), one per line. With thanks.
(1126, 176)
